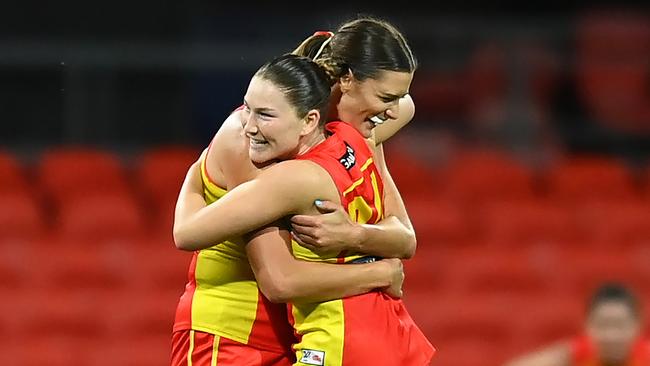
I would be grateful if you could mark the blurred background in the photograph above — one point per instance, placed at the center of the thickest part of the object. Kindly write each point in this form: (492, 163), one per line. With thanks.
(525, 169)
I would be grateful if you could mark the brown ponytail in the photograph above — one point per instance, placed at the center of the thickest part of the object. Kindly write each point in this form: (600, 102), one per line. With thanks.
(310, 46)
(333, 72)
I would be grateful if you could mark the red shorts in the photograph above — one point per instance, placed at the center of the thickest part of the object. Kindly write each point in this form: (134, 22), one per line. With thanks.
(194, 348)
(370, 329)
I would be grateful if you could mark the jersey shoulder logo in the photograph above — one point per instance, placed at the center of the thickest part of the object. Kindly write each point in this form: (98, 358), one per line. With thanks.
(348, 159)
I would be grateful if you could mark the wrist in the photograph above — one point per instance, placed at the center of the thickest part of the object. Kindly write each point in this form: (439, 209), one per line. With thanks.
(384, 273)
(360, 234)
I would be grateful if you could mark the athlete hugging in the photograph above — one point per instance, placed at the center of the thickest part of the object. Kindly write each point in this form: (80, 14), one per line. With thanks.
(290, 205)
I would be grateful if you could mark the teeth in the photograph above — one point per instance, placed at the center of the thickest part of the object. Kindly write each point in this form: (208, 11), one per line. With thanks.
(376, 120)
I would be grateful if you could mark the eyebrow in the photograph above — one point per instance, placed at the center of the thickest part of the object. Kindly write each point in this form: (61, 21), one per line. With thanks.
(262, 109)
(392, 96)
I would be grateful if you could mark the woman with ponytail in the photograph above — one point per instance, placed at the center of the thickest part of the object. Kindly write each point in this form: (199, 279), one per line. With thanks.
(359, 329)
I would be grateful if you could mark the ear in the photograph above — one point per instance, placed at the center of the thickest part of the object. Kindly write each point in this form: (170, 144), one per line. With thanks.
(311, 120)
(346, 81)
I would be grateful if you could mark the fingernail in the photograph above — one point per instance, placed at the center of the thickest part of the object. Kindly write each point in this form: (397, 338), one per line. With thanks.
(318, 203)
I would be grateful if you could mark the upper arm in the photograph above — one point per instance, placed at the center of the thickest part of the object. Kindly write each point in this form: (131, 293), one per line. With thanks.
(406, 112)
(279, 191)
(556, 355)
(268, 252)
(393, 203)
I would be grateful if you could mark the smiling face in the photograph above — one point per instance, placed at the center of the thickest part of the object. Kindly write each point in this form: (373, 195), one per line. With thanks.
(270, 122)
(371, 98)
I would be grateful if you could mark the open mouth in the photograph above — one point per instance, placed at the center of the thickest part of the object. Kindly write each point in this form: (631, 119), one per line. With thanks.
(376, 120)
(258, 142)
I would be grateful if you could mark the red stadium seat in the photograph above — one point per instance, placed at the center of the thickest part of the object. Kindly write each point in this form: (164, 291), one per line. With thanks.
(101, 218)
(158, 265)
(489, 77)
(484, 272)
(142, 313)
(526, 220)
(439, 95)
(584, 270)
(614, 222)
(545, 318)
(80, 266)
(469, 353)
(427, 269)
(150, 351)
(646, 182)
(438, 220)
(71, 172)
(414, 178)
(590, 178)
(160, 174)
(21, 217)
(59, 314)
(612, 52)
(13, 178)
(468, 320)
(55, 351)
(477, 176)
(17, 269)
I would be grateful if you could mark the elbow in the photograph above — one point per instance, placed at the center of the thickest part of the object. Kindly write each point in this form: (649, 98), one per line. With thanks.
(409, 250)
(276, 290)
(181, 240)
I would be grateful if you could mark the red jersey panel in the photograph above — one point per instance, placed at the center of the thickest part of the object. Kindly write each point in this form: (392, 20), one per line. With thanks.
(584, 353)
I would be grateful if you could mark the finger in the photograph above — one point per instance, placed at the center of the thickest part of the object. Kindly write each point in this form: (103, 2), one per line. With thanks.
(304, 230)
(304, 241)
(326, 206)
(305, 220)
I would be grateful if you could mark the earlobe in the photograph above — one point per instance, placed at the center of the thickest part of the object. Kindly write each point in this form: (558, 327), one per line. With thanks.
(345, 82)
(311, 121)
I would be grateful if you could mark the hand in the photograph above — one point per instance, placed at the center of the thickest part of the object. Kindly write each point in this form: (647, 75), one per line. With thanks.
(332, 231)
(397, 278)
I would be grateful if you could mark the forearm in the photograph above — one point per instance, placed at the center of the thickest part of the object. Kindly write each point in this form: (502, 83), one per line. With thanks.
(190, 200)
(394, 236)
(389, 238)
(233, 215)
(283, 278)
(276, 193)
(303, 281)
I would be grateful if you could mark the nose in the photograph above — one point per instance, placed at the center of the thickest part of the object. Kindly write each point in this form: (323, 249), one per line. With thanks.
(250, 125)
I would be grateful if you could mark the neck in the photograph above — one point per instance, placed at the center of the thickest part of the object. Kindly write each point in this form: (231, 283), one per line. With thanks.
(311, 140)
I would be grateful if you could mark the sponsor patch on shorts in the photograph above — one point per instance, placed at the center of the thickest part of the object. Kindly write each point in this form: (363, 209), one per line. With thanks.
(312, 357)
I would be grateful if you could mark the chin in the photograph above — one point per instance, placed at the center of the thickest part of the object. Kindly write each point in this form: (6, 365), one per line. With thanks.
(258, 158)
(366, 129)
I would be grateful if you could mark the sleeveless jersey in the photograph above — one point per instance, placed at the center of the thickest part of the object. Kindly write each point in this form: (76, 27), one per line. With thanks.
(346, 156)
(222, 297)
(371, 328)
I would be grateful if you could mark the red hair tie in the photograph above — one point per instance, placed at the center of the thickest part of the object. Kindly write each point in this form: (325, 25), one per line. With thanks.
(324, 33)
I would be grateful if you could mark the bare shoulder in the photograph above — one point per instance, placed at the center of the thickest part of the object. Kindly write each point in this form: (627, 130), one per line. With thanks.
(303, 180)
(230, 128)
(297, 172)
(228, 156)
(558, 354)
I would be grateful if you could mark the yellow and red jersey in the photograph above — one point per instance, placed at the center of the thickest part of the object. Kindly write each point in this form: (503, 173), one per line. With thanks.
(584, 353)
(222, 297)
(346, 156)
(372, 328)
